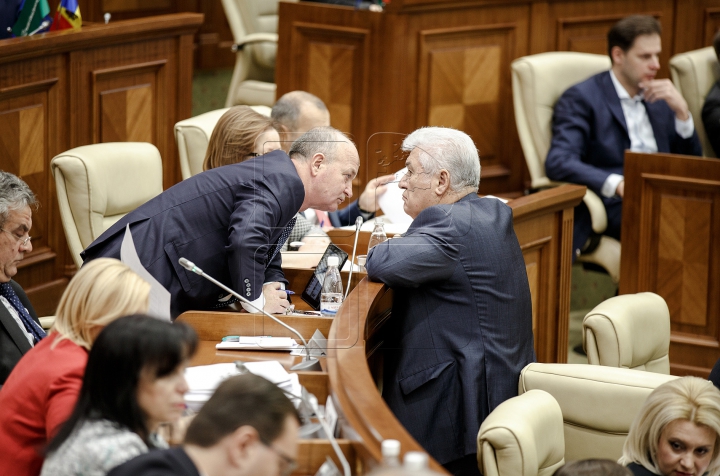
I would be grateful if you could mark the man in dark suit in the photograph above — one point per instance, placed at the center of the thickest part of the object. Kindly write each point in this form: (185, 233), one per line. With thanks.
(625, 108)
(19, 326)
(461, 327)
(297, 112)
(711, 108)
(231, 221)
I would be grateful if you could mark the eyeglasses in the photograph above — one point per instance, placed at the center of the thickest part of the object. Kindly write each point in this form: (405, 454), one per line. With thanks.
(289, 463)
(22, 240)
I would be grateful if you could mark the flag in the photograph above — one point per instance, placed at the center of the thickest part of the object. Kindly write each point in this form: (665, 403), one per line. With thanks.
(67, 16)
(34, 18)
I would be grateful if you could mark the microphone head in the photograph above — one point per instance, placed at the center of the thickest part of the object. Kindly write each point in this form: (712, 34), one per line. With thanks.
(358, 222)
(187, 264)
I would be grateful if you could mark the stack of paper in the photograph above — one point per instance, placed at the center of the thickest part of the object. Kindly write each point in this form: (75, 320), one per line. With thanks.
(203, 380)
(259, 343)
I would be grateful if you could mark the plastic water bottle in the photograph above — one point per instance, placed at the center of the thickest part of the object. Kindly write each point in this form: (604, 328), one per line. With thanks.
(332, 289)
(390, 450)
(415, 461)
(378, 234)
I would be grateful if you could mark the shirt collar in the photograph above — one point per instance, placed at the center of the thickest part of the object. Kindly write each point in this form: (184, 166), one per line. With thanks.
(621, 91)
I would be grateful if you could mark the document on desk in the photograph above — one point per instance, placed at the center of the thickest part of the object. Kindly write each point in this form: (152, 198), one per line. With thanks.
(259, 343)
(159, 301)
(391, 202)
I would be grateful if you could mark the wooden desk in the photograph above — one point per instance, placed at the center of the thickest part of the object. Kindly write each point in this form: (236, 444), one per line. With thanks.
(670, 243)
(125, 81)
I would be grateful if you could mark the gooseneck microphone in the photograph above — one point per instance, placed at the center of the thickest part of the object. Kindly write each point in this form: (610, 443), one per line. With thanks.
(308, 363)
(358, 223)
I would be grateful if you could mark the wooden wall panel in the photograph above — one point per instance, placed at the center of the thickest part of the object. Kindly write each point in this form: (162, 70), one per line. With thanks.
(671, 234)
(696, 22)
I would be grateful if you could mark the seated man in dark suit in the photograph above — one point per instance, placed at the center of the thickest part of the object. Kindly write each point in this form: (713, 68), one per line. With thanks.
(232, 221)
(461, 327)
(625, 108)
(19, 326)
(297, 112)
(247, 428)
(711, 108)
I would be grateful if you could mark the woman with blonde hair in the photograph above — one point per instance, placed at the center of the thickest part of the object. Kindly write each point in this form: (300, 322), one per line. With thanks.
(41, 391)
(676, 431)
(239, 135)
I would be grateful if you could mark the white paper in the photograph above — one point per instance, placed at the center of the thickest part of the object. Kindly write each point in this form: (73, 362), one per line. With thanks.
(259, 343)
(159, 305)
(331, 414)
(391, 202)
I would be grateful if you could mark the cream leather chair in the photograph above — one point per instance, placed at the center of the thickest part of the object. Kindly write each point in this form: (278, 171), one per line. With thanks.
(523, 436)
(598, 403)
(538, 81)
(193, 135)
(98, 184)
(254, 25)
(694, 73)
(630, 331)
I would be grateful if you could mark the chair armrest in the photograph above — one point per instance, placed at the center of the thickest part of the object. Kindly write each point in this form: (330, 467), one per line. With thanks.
(255, 38)
(598, 215)
(47, 322)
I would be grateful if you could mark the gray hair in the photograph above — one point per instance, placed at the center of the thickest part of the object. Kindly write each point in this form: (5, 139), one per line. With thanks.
(449, 149)
(287, 109)
(322, 140)
(14, 195)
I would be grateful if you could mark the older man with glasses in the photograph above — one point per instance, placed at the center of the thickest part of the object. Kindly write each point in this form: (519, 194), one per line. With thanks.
(20, 329)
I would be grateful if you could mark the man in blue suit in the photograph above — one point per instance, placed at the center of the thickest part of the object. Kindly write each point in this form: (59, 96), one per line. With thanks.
(231, 222)
(461, 326)
(625, 108)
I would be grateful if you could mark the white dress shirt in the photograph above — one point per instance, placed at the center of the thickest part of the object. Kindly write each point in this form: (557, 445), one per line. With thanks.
(15, 316)
(642, 137)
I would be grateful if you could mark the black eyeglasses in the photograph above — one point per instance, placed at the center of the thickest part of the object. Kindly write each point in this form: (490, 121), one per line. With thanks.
(289, 463)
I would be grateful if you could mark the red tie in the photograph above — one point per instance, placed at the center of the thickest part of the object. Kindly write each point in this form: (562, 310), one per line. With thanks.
(323, 220)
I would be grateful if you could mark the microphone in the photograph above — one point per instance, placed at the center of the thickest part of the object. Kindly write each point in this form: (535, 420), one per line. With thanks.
(358, 223)
(308, 363)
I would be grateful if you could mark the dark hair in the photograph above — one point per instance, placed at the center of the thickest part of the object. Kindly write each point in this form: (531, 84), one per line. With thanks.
(624, 32)
(286, 110)
(592, 467)
(241, 400)
(124, 350)
(716, 43)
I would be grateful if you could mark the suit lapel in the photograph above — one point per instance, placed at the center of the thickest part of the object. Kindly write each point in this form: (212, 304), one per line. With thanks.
(612, 100)
(13, 330)
(655, 111)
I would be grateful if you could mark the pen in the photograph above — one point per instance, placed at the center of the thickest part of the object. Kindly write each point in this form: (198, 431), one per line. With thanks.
(287, 291)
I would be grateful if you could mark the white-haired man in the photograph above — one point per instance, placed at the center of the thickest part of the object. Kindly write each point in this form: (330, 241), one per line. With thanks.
(461, 328)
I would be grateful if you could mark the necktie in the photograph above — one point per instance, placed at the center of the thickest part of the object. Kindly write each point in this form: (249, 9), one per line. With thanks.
(323, 219)
(31, 326)
(280, 242)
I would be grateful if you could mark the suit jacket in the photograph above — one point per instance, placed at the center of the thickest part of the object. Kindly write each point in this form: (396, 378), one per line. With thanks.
(590, 134)
(172, 462)
(711, 117)
(461, 326)
(13, 343)
(225, 220)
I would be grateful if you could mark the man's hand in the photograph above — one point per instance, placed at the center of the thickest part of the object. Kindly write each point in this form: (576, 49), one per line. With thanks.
(664, 89)
(275, 298)
(620, 191)
(373, 190)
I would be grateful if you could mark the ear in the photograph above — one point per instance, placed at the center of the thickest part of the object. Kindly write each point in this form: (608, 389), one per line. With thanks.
(316, 162)
(240, 445)
(617, 55)
(443, 182)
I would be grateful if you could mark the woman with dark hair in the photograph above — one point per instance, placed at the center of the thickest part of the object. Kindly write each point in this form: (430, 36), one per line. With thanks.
(134, 381)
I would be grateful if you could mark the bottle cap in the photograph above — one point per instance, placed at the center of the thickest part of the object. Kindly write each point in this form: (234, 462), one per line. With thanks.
(390, 448)
(415, 461)
(333, 260)
(379, 220)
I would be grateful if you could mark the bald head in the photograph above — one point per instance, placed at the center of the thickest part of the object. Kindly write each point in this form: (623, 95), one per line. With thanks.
(297, 112)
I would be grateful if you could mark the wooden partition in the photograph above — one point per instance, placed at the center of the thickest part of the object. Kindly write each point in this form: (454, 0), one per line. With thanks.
(447, 63)
(671, 246)
(126, 81)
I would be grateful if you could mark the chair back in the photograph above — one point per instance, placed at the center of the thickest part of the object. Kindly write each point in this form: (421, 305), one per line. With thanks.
(598, 403)
(193, 136)
(694, 73)
(523, 436)
(630, 331)
(98, 184)
(538, 81)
